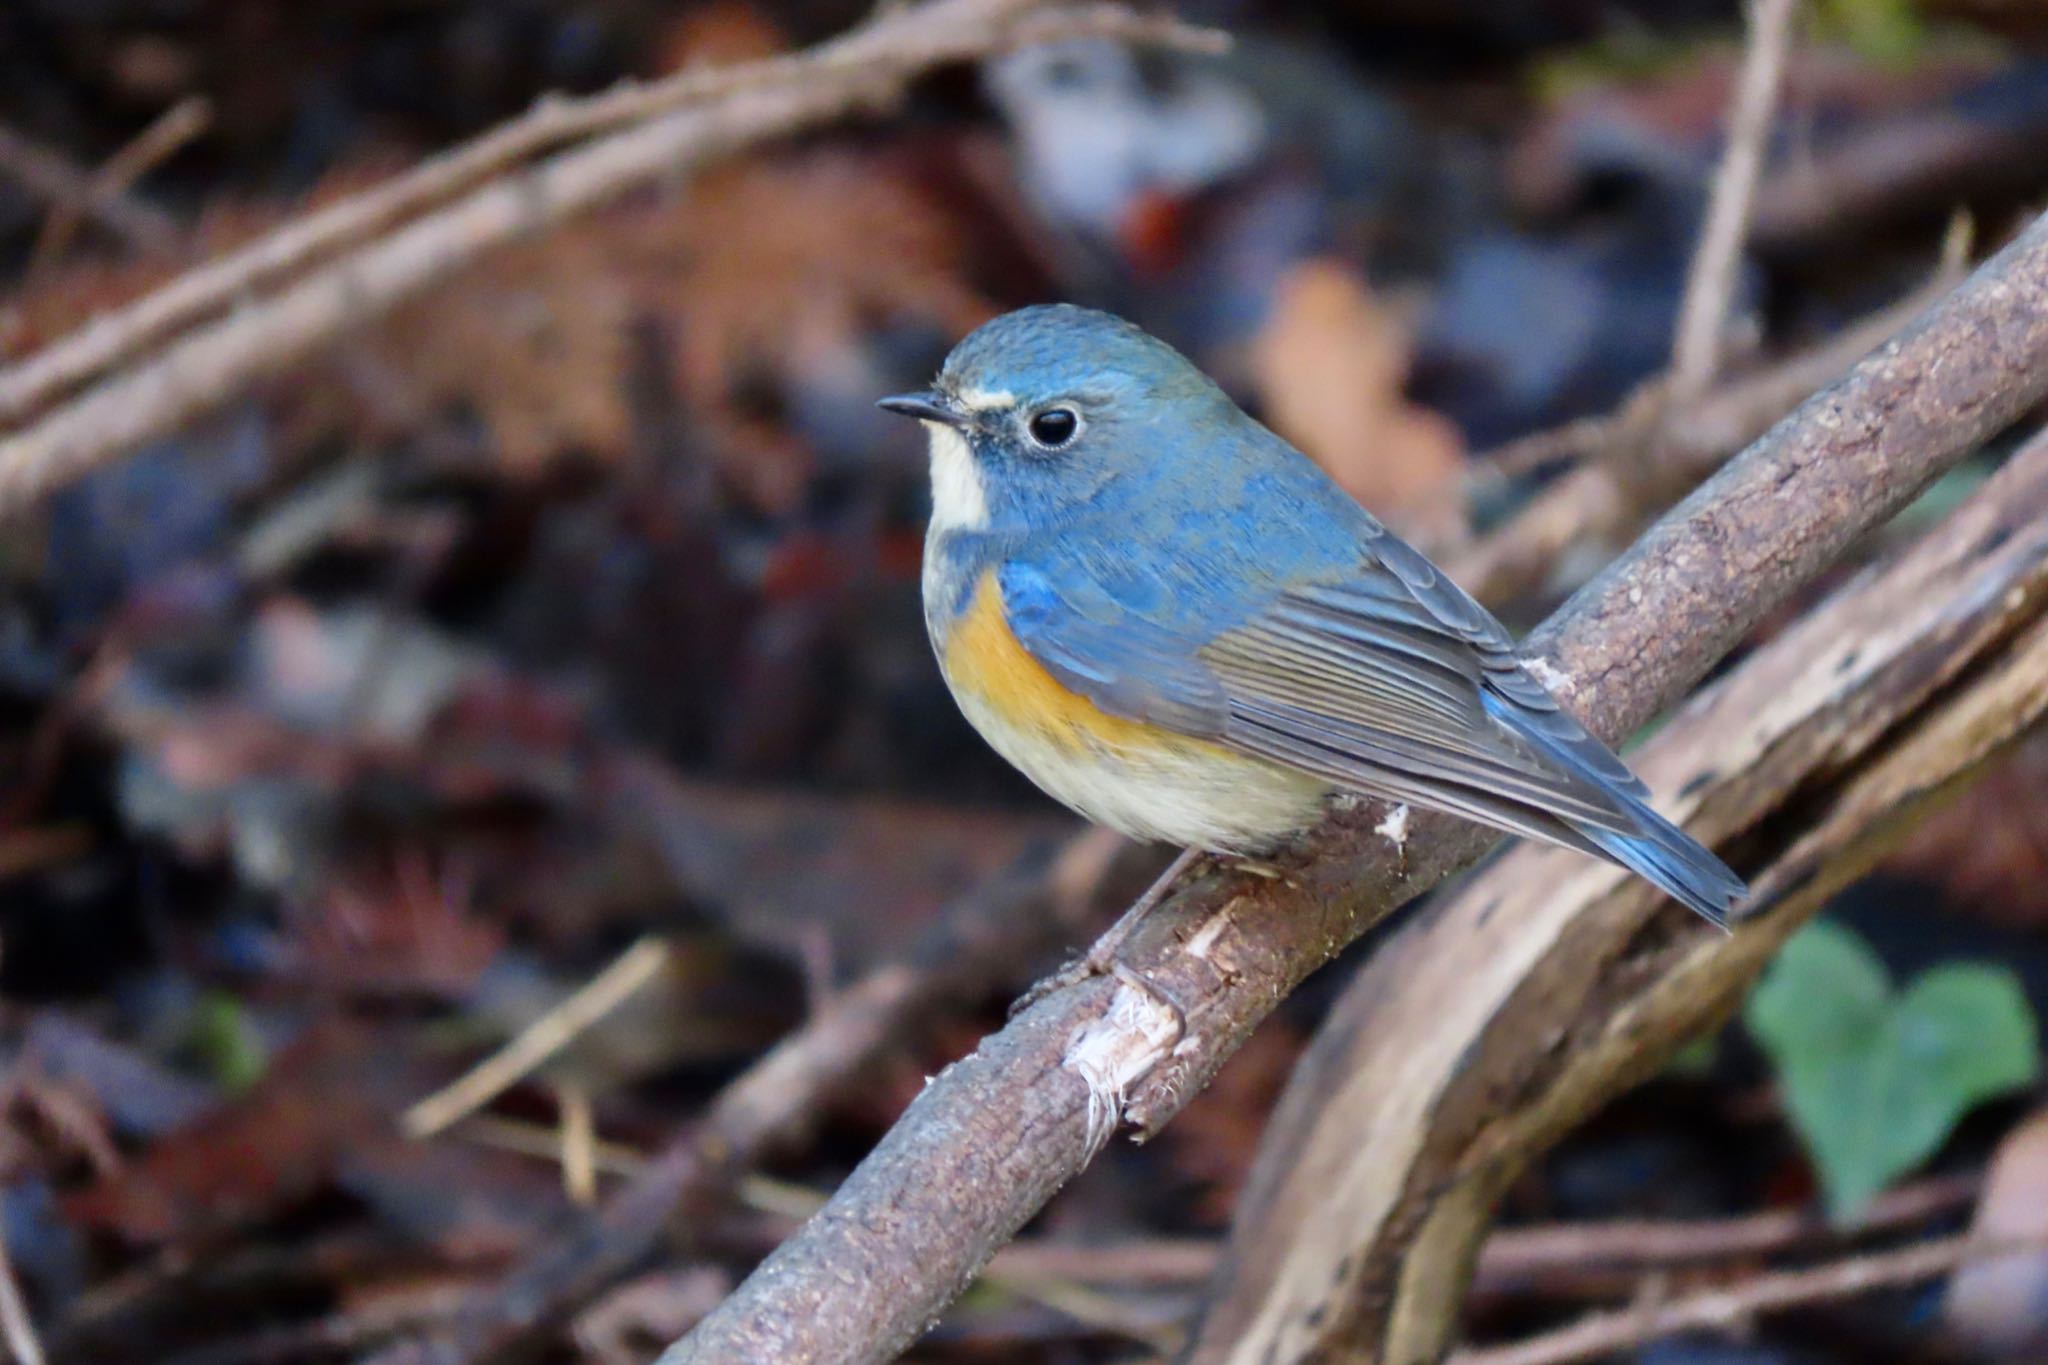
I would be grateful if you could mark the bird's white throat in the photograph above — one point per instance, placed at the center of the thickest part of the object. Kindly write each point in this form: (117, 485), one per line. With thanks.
(959, 502)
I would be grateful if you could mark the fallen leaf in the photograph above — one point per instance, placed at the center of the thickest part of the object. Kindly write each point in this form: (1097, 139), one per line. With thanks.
(1330, 364)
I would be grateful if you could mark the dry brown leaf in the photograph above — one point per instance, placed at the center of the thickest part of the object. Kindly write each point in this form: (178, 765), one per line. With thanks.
(771, 268)
(717, 34)
(533, 339)
(1329, 365)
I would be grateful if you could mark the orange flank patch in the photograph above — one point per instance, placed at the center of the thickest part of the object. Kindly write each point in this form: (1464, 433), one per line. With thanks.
(1146, 781)
(984, 659)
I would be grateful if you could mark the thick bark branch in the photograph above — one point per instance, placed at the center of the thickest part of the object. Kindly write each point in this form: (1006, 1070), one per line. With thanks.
(1542, 988)
(1652, 451)
(985, 938)
(997, 1133)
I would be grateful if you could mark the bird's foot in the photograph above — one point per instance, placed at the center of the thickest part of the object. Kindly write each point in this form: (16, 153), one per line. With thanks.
(1102, 958)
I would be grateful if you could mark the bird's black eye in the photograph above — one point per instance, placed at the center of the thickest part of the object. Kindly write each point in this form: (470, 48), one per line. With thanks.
(1054, 427)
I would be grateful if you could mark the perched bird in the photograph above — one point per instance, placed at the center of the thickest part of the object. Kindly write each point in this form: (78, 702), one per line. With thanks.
(1176, 624)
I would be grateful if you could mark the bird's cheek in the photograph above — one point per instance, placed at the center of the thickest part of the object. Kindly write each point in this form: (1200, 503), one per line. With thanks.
(959, 483)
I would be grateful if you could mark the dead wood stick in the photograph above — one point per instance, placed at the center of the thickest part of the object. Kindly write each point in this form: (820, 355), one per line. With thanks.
(1541, 988)
(69, 188)
(893, 47)
(1710, 283)
(1515, 1255)
(987, 937)
(540, 1040)
(1604, 1334)
(173, 129)
(1513, 1258)
(993, 1137)
(199, 368)
(1606, 497)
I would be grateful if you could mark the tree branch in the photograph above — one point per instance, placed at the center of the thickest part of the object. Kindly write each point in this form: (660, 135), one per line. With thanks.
(1542, 988)
(71, 189)
(720, 111)
(1710, 284)
(1649, 452)
(1604, 1334)
(993, 1136)
(977, 944)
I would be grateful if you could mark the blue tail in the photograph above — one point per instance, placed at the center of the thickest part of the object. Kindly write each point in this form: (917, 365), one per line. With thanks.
(1655, 849)
(1673, 860)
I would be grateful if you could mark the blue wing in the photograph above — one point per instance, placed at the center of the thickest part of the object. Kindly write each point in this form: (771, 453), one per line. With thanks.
(1366, 668)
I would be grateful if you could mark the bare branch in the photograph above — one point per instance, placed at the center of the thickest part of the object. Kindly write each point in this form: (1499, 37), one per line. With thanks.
(1515, 1258)
(719, 112)
(998, 1132)
(171, 130)
(1733, 1308)
(1649, 451)
(1512, 1255)
(1541, 988)
(1710, 284)
(988, 937)
(70, 188)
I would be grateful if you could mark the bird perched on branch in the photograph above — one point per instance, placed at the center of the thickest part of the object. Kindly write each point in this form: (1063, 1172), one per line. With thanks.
(1176, 624)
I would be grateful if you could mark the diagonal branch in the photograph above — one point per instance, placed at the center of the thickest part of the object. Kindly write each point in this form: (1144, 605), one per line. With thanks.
(1540, 986)
(995, 1135)
(983, 939)
(199, 364)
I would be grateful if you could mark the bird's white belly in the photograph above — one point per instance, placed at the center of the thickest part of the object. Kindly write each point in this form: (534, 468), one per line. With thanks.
(1182, 794)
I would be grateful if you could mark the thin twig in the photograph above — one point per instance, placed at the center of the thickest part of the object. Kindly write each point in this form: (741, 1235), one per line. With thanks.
(1710, 284)
(163, 138)
(1589, 504)
(539, 1040)
(579, 1143)
(990, 936)
(895, 45)
(1512, 1254)
(1699, 338)
(17, 1329)
(1602, 1334)
(1713, 425)
(54, 177)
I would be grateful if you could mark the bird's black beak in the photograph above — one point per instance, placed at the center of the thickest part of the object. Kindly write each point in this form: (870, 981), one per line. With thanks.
(929, 406)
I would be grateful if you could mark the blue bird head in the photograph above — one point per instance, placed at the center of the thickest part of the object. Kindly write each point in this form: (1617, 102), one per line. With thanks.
(1039, 413)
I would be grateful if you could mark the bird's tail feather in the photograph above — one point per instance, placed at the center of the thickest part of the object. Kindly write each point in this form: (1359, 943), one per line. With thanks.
(1655, 849)
(1678, 864)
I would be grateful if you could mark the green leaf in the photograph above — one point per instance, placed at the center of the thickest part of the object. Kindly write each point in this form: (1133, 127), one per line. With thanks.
(1696, 1060)
(1875, 1080)
(226, 1042)
(1891, 32)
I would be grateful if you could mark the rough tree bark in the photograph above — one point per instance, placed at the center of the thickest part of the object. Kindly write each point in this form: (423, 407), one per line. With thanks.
(997, 1133)
(1543, 987)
